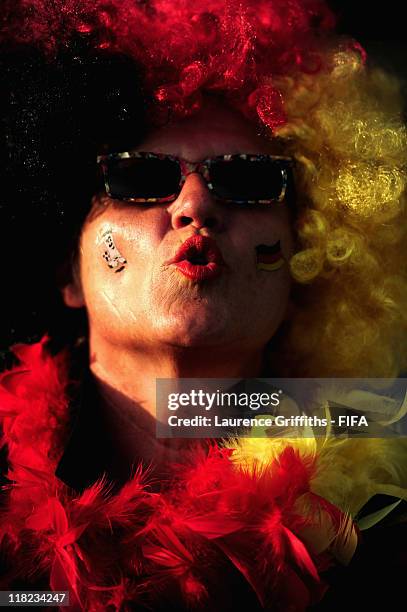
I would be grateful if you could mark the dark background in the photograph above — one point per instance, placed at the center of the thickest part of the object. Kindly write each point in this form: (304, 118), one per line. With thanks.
(379, 26)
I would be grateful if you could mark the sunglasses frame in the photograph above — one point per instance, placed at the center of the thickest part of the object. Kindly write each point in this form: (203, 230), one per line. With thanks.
(202, 168)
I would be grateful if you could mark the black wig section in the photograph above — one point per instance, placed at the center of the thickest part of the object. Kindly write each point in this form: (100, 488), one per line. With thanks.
(56, 113)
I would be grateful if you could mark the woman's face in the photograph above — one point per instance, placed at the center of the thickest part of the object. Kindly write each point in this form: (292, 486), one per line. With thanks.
(151, 302)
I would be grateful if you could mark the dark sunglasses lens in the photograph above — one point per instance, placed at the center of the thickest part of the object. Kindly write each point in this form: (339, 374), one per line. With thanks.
(245, 179)
(143, 178)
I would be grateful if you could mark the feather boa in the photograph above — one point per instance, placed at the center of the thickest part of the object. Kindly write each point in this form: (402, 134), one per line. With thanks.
(255, 508)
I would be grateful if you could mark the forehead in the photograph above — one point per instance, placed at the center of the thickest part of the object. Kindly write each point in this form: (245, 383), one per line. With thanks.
(215, 130)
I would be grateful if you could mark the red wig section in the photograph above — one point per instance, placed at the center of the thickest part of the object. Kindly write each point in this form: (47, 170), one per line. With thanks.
(234, 47)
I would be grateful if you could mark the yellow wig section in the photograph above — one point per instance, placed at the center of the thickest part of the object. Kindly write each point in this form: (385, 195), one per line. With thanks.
(350, 297)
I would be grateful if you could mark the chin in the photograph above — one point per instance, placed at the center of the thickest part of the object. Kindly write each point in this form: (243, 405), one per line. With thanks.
(185, 331)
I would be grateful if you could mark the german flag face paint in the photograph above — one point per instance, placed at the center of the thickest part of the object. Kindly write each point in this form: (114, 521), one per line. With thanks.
(269, 258)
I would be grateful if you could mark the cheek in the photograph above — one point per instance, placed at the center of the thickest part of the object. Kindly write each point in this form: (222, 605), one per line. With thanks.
(264, 244)
(264, 239)
(122, 242)
(115, 260)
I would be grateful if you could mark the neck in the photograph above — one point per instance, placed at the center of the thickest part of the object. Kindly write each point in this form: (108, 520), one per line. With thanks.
(128, 377)
(126, 381)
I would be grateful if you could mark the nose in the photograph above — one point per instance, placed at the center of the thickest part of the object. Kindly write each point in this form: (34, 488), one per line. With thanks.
(195, 206)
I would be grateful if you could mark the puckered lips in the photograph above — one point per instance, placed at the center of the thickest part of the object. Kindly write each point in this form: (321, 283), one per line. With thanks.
(198, 258)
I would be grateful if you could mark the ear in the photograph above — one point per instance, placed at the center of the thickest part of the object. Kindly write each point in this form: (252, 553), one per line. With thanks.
(72, 295)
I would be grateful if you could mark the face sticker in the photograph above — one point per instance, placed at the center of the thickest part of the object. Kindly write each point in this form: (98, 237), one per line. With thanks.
(111, 253)
(269, 258)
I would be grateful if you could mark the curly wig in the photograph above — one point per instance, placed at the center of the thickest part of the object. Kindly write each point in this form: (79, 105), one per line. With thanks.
(280, 64)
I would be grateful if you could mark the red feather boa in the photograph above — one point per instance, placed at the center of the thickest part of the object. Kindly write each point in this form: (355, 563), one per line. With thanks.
(145, 547)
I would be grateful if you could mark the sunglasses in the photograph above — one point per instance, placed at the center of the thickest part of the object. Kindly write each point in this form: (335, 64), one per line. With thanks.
(156, 178)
